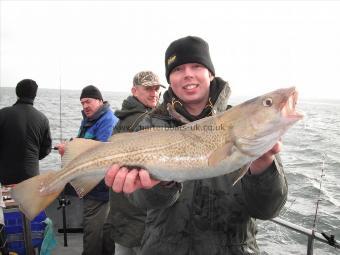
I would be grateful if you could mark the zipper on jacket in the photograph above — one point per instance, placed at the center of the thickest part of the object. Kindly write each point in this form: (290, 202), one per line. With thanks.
(191, 226)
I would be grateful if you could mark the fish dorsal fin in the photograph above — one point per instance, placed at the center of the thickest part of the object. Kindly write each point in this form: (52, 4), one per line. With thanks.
(207, 121)
(118, 137)
(85, 184)
(127, 135)
(220, 154)
(155, 129)
(76, 147)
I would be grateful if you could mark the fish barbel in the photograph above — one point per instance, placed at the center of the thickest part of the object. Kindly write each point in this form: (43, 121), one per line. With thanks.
(212, 146)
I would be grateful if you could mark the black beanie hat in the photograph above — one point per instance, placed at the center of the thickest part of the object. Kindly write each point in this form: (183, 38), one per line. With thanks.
(91, 92)
(190, 49)
(26, 88)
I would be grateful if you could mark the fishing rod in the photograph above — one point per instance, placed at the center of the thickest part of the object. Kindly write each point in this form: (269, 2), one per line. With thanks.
(319, 195)
(63, 202)
(311, 234)
(330, 238)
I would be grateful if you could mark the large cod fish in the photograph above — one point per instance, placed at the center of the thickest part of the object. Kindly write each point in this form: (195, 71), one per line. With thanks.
(213, 146)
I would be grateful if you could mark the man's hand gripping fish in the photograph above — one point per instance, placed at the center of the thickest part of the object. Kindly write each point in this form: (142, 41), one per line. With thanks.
(213, 146)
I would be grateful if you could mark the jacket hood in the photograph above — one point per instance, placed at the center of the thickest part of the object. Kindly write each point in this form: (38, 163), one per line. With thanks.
(130, 106)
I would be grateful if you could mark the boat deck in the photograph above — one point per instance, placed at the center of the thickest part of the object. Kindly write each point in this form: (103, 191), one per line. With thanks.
(74, 244)
(74, 215)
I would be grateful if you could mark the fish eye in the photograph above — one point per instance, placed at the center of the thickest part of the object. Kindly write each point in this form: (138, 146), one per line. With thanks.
(267, 102)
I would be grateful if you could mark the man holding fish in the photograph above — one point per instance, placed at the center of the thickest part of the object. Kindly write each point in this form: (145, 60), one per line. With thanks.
(203, 183)
(206, 216)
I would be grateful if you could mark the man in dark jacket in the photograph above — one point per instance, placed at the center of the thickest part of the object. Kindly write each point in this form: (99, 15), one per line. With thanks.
(208, 216)
(97, 124)
(125, 223)
(24, 136)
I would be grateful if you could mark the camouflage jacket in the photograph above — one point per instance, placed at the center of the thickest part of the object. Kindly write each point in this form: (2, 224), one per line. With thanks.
(126, 221)
(208, 216)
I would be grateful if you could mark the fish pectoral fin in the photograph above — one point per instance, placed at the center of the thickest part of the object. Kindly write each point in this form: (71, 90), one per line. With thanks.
(29, 198)
(240, 173)
(76, 147)
(220, 154)
(85, 184)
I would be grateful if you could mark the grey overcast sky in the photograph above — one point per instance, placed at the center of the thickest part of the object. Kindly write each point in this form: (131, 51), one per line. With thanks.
(257, 46)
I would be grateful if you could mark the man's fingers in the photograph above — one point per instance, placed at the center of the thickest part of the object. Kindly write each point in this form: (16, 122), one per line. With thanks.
(131, 182)
(119, 180)
(60, 147)
(277, 148)
(123, 180)
(145, 179)
(111, 174)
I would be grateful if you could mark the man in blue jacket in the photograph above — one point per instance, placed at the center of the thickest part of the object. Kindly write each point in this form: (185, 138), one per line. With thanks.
(97, 124)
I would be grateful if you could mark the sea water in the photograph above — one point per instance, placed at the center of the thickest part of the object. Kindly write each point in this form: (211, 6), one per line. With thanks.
(310, 146)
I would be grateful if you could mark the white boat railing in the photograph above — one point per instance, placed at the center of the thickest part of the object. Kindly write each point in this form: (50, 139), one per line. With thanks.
(311, 234)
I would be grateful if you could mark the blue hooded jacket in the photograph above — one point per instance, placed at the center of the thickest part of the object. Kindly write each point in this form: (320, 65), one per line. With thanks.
(99, 127)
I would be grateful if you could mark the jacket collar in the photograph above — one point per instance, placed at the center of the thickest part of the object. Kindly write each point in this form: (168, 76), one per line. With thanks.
(131, 105)
(218, 99)
(24, 100)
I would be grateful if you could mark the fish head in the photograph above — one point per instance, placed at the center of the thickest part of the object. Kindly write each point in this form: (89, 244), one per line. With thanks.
(263, 120)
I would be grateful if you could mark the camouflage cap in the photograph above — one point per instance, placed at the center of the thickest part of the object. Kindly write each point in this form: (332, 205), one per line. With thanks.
(146, 78)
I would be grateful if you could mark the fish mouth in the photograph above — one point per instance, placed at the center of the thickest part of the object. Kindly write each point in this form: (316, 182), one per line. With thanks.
(289, 106)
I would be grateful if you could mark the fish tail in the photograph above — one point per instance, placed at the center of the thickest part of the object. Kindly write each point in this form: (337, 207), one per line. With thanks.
(28, 195)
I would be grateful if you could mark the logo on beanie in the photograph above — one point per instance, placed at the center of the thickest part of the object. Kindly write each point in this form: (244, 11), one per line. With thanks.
(171, 59)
